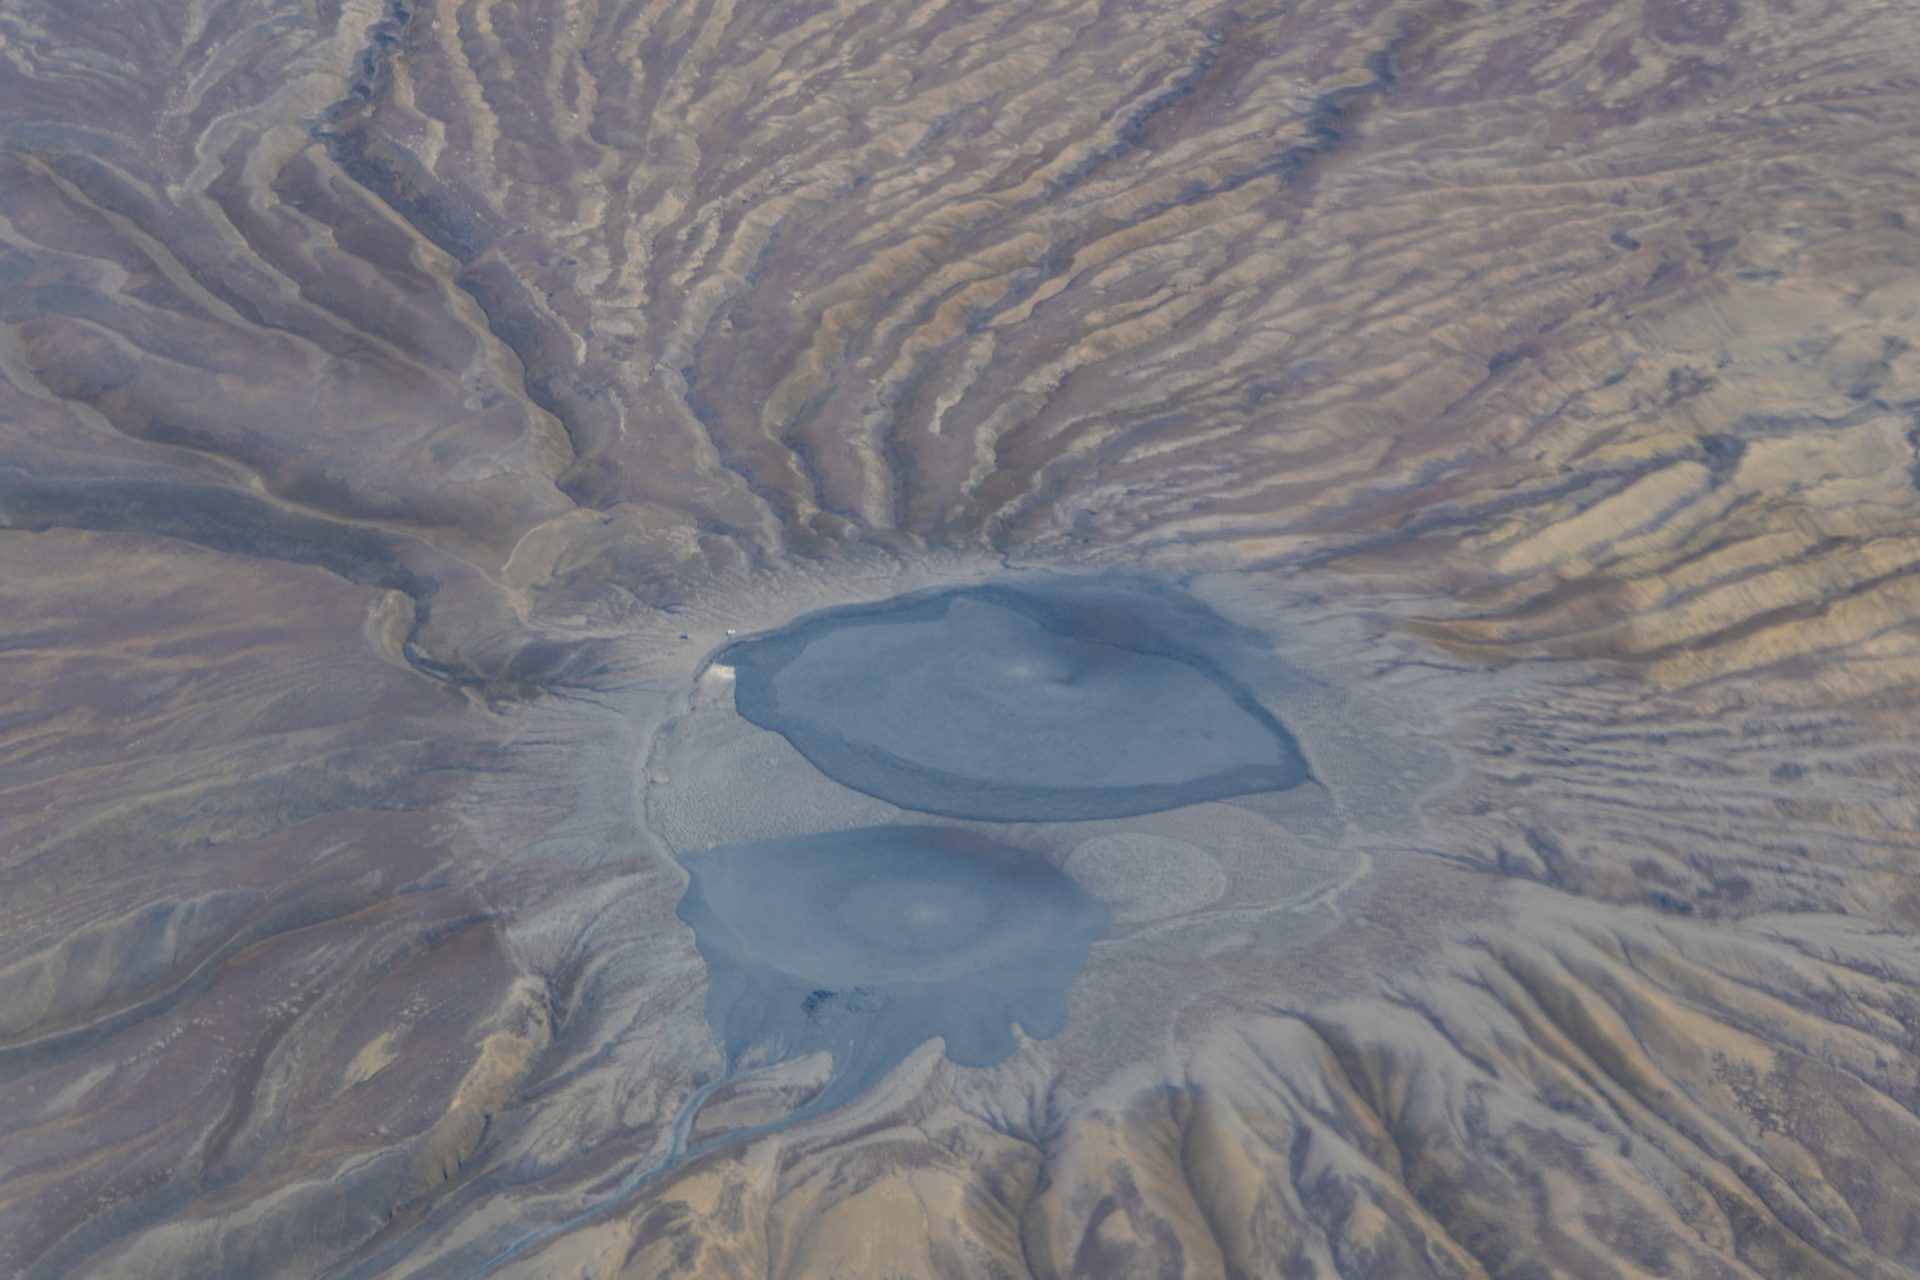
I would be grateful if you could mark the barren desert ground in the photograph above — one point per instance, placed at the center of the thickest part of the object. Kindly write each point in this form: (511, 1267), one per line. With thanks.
(960, 639)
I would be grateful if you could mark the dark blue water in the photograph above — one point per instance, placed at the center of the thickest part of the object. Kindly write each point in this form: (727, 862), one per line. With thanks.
(1020, 705)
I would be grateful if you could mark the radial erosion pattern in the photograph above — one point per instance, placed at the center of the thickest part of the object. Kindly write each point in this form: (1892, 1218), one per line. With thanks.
(415, 417)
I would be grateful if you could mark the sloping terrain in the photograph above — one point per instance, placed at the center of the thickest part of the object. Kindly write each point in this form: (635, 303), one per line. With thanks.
(401, 403)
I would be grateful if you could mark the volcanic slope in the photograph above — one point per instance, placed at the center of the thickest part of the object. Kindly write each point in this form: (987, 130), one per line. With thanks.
(401, 402)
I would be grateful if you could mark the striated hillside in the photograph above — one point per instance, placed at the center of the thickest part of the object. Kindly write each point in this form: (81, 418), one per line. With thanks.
(401, 405)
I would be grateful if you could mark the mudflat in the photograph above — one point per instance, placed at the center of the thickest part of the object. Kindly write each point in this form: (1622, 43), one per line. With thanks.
(1053, 640)
(866, 944)
(1007, 705)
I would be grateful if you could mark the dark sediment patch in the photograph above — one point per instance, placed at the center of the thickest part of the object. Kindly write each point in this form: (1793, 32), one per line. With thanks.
(1009, 705)
(866, 944)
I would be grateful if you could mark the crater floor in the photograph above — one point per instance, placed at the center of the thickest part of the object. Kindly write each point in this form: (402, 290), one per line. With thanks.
(1035, 640)
(1019, 704)
(866, 944)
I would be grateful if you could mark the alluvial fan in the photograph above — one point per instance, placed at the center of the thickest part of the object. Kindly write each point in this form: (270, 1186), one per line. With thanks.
(1371, 550)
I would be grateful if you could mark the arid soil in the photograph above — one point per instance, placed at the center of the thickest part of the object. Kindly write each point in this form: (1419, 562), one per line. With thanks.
(402, 405)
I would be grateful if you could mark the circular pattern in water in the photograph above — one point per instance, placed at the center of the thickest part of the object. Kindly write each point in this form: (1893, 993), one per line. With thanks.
(869, 943)
(1146, 877)
(1006, 705)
